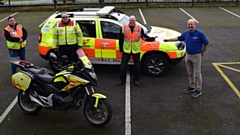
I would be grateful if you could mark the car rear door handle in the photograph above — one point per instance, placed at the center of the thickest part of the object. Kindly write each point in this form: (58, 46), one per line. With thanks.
(105, 44)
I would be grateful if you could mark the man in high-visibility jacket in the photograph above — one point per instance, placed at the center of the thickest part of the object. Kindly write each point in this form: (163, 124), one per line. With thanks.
(67, 37)
(16, 36)
(129, 45)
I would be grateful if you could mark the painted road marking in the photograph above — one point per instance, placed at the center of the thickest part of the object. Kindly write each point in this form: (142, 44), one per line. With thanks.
(8, 16)
(127, 106)
(143, 18)
(189, 15)
(6, 112)
(46, 20)
(230, 12)
(223, 64)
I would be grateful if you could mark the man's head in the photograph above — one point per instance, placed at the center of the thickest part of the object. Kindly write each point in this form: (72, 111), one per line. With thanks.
(191, 24)
(65, 18)
(11, 21)
(132, 20)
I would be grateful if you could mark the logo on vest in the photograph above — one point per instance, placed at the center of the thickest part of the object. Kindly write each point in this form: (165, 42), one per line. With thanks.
(13, 33)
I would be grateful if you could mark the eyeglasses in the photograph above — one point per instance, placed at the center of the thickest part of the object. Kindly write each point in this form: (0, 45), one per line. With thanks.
(64, 17)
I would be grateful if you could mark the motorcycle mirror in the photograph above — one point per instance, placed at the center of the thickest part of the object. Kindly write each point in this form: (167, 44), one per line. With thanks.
(52, 56)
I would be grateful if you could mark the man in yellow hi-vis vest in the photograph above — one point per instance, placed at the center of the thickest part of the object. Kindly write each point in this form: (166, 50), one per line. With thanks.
(16, 36)
(67, 37)
(129, 45)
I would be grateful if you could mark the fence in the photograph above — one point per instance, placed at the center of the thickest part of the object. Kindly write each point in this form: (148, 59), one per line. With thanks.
(154, 1)
(124, 3)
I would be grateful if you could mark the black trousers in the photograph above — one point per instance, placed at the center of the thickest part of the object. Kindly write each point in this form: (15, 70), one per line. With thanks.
(70, 51)
(124, 64)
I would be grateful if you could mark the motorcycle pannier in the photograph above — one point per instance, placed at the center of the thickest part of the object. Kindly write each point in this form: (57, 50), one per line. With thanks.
(21, 80)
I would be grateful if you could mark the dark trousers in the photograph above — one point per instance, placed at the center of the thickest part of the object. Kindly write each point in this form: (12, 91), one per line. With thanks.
(124, 64)
(70, 51)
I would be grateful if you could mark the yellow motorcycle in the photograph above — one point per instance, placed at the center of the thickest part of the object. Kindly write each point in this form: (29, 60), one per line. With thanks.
(64, 91)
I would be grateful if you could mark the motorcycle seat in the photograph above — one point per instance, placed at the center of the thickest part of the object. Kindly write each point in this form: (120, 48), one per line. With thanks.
(42, 74)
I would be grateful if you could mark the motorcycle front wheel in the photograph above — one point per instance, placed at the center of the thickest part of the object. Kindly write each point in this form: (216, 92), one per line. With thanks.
(99, 116)
(26, 105)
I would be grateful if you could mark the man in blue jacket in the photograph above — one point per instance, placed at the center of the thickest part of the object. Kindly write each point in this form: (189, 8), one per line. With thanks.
(196, 45)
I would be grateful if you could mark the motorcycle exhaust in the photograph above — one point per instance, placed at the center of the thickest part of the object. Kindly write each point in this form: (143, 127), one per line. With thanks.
(33, 99)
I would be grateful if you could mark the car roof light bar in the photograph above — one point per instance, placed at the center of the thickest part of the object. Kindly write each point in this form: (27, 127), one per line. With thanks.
(91, 9)
(90, 12)
(104, 11)
(85, 14)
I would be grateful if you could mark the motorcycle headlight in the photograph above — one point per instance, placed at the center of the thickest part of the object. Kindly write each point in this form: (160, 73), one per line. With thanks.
(93, 75)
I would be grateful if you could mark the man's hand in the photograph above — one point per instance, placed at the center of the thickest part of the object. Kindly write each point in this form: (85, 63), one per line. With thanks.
(20, 40)
(165, 40)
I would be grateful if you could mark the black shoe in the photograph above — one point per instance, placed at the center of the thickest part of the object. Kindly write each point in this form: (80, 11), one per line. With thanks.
(136, 83)
(197, 93)
(120, 83)
(188, 89)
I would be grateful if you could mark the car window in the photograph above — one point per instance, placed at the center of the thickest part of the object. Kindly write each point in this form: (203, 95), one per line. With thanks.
(49, 26)
(110, 30)
(88, 28)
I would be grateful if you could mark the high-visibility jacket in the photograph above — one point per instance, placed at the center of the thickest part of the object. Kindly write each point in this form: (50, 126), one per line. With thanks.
(131, 39)
(16, 33)
(67, 34)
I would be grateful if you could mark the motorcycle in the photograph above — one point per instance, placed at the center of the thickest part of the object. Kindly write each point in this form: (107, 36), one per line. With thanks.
(64, 91)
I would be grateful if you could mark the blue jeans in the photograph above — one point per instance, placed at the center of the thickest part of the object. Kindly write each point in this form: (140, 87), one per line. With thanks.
(14, 54)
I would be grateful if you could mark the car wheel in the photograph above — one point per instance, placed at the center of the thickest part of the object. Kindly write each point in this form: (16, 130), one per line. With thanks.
(155, 65)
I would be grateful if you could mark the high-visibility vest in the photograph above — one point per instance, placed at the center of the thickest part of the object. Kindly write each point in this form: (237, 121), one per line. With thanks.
(16, 34)
(131, 39)
(67, 34)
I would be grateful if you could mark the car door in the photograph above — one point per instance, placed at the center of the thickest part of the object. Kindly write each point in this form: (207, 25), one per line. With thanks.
(89, 30)
(108, 41)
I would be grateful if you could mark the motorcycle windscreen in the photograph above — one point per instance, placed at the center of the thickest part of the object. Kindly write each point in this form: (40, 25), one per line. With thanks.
(21, 81)
(84, 58)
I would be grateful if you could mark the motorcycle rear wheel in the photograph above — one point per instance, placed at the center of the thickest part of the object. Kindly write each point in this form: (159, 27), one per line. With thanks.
(26, 105)
(99, 116)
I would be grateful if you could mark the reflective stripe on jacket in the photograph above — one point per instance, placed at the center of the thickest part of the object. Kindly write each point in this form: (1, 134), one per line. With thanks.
(131, 39)
(67, 34)
(16, 34)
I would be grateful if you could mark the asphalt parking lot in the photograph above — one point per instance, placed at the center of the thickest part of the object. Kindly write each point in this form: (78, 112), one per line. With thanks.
(158, 106)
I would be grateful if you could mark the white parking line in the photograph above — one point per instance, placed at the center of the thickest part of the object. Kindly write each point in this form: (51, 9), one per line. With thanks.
(230, 12)
(128, 96)
(8, 16)
(189, 15)
(46, 20)
(127, 106)
(140, 11)
(3, 116)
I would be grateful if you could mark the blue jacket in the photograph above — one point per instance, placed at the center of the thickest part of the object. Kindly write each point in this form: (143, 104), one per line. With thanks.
(194, 41)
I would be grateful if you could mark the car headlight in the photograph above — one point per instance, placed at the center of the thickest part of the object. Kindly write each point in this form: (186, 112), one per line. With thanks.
(180, 45)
